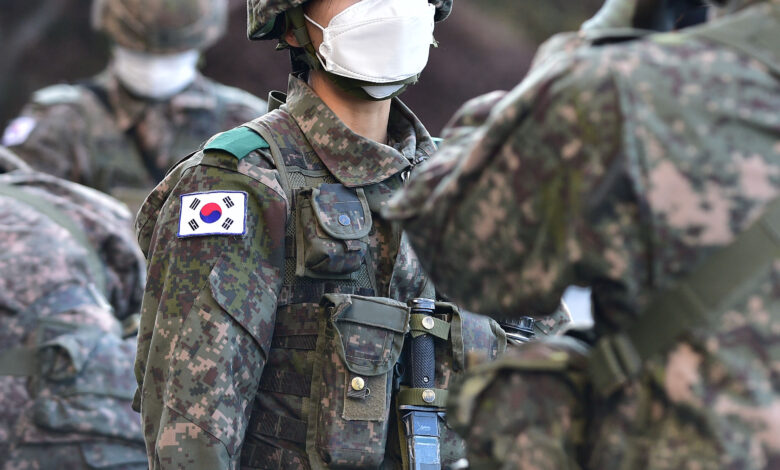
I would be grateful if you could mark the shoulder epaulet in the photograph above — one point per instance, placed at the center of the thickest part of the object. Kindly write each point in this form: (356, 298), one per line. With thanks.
(57, 94)
(239, 142)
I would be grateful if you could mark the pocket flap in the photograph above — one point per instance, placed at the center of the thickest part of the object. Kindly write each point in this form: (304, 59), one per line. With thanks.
(342, 212)
(371, 331)
(246, 296)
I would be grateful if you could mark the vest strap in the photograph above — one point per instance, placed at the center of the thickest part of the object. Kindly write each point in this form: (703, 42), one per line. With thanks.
(258, 455)
(414, 397)
(693, 302)
(266, 423)
(286, 382)
(94, 264)
(435, 327)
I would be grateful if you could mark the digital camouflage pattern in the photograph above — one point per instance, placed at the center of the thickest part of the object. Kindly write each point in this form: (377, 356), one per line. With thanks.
(230, 338)
(96, 133)
(161, 26)
(75, 413)
(620, 168)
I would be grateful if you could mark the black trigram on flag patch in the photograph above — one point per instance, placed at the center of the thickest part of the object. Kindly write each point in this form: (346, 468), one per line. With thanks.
(195, 204)
(193, 225)
(228, 222)
(228, 202)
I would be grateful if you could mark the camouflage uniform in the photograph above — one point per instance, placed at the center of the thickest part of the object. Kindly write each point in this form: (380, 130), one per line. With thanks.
(96, 133)
(623, 168)
(234, 355)
(65, 246)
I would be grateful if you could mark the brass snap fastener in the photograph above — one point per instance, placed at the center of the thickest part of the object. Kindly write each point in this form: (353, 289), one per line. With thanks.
(428, 396)
(344, 220)
(358, 384)
(428, 323)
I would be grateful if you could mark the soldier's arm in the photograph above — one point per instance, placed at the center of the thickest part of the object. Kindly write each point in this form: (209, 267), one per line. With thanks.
(51, 133)
(207, 320)
(516, 218)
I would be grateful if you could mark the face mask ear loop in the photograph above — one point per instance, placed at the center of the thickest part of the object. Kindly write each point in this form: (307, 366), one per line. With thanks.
(298, 22)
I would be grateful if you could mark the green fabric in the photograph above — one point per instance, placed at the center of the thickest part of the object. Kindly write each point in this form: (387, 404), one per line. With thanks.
(413, 397)
(695, 301)
(20, 362)
(441, 328)
(238, 142)
(94, 263)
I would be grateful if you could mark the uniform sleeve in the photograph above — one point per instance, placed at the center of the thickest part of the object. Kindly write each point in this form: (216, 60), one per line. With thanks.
(517, 211)
(207, 321)
(52, 138)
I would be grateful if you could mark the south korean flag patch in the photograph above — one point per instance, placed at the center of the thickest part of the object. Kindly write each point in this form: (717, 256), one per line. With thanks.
(212, 213)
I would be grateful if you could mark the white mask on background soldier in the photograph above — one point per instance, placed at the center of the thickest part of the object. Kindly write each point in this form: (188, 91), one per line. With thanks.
(378, 41)
(155, 76)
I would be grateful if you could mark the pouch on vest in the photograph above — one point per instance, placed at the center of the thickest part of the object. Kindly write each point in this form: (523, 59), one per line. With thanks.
(334, 222)
(359, 342)
(82, 394)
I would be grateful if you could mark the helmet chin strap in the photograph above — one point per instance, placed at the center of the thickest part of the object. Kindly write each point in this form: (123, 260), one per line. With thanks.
(297, 21)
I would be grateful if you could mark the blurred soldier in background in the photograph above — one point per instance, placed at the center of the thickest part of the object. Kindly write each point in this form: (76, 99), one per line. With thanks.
(70, 280)
(650, 171)
(120, 131)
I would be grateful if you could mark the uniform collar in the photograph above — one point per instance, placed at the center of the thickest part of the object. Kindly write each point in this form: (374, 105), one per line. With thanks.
(128, 109)
(352, 159)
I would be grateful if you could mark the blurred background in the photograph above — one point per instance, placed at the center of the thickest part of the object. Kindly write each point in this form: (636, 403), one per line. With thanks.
(484, 46)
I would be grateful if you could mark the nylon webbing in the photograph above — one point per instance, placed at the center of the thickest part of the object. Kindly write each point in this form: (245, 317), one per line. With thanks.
(94, 264)
(413, 397)
(695, 301)
(277, 426)
(439, 328)
(286, 382)
(258, 455)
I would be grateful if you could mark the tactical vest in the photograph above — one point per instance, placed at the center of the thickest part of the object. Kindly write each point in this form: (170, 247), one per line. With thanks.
(326, 396)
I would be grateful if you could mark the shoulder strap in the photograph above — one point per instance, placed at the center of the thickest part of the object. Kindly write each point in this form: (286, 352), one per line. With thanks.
(696, 300)
(94, 263)
(257, 127)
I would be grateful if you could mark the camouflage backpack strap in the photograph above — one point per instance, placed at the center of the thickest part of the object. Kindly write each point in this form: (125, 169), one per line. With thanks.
(695, 301)
(94, 263)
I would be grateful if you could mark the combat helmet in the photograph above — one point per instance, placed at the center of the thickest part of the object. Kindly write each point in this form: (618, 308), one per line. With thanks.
(265, 17)
(161, 26)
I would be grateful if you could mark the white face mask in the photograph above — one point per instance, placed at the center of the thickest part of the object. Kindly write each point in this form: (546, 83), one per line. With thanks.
(152, 75)
(378, 41)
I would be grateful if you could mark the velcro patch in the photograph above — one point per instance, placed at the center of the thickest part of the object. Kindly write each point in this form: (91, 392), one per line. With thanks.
(212, 213)
(18, 131)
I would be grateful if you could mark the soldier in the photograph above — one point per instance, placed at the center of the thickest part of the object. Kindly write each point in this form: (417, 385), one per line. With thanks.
(119, 132)
(70, 278)
(648, 170)
(276, 308)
